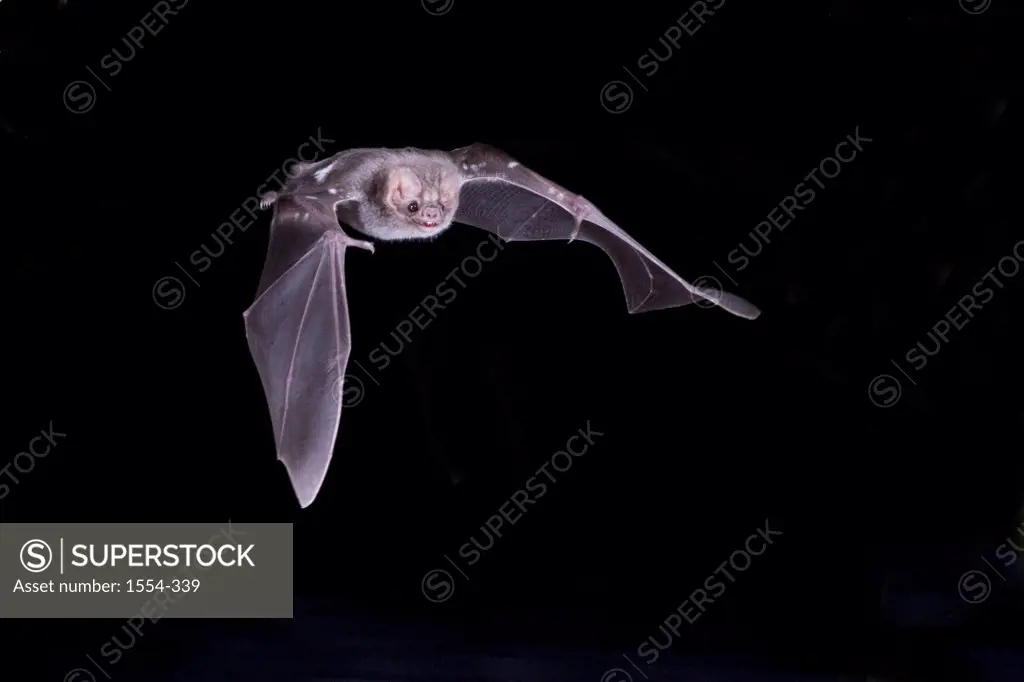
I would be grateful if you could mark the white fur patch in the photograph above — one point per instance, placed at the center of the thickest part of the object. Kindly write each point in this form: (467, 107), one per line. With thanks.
(513, 164)
(322, 174)
(332, 191)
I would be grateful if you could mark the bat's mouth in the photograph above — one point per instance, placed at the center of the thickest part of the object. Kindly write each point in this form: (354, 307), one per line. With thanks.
(428, 225)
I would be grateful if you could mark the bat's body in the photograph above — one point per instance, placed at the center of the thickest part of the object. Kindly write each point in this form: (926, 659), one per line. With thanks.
(298, 326)
(360, 183)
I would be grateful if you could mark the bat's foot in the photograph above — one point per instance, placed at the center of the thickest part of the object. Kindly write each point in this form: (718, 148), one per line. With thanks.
(266, 200)
(343, 239)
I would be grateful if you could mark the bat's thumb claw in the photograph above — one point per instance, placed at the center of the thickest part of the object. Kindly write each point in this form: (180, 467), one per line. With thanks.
(360, 244)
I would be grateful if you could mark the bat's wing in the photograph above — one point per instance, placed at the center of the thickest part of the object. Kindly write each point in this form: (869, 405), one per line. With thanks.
(298, 334)
(504, 197)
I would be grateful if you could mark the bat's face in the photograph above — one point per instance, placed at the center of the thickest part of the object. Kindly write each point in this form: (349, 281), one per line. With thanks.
(422, 200)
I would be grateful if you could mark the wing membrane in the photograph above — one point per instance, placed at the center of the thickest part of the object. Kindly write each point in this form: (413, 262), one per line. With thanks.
(504, 197)
(299, 337)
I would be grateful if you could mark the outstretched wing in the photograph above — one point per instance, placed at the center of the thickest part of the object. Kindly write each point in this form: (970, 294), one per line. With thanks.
(298, 334)
(504, 197)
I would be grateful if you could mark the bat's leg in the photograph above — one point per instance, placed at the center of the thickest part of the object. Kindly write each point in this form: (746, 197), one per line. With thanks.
(580, 209)
(341, 237)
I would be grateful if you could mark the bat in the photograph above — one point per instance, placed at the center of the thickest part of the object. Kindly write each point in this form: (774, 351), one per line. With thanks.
(297, 328)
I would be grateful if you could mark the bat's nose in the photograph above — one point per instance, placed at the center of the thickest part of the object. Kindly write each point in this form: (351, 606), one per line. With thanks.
(431, 214)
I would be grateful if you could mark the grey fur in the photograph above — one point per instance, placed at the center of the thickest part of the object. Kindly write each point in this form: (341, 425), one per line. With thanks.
(352, 182)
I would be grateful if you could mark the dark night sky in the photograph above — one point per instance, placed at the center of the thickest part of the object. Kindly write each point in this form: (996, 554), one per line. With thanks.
(712, 423)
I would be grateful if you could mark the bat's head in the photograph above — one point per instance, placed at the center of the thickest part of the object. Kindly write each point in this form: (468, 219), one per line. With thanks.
(421, 198)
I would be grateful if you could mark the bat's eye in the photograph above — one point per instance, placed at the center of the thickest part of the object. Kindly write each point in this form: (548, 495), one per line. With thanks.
(413, 207)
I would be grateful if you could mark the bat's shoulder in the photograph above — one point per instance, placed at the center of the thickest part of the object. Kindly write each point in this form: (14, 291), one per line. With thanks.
(483, 159)
(477, 152)
(362, 156)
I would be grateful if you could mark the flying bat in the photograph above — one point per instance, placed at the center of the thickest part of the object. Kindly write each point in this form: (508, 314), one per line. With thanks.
(298, 326)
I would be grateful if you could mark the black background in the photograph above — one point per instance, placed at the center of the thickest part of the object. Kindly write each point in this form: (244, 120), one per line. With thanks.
(712, 423)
